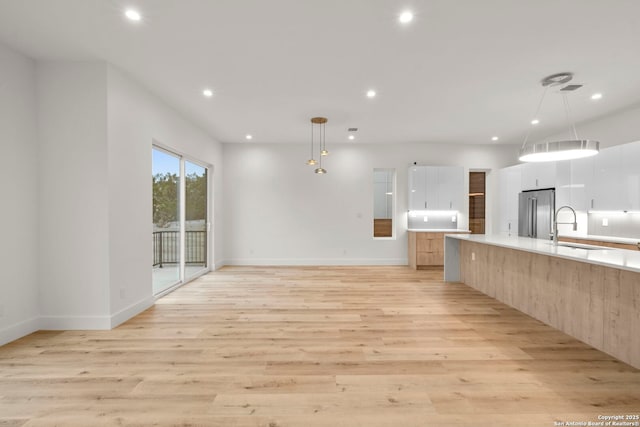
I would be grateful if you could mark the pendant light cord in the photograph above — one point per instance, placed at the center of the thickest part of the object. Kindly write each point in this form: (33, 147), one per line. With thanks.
(311, 140)
(320, 143)
(568, 115)
(535, 116)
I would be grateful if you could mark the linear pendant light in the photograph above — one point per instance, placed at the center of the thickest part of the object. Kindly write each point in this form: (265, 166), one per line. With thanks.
(320, 122)
(558, 150)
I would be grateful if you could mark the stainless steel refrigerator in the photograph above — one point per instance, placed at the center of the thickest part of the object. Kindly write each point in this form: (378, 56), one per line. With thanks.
(535, 213)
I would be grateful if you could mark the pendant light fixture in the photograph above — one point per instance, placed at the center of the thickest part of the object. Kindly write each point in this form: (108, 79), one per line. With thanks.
(311, 160)
(320, 122)
(575, 148)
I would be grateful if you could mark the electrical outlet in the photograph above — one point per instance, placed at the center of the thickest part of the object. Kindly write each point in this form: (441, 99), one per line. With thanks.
(605, 222)
(453, 218)
(426, 219)
(473, 256)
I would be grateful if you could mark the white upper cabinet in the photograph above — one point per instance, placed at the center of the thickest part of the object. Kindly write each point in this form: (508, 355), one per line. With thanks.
(631, 155)
(451, 188)
(417, 188)
(609, 181)
(573, 180)
(581, 183)
(538, 175)
(436, 188)
(509, 189)
(431, 188)
(609, 191)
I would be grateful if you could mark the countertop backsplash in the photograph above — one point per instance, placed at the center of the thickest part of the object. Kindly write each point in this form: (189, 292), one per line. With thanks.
(619, 224)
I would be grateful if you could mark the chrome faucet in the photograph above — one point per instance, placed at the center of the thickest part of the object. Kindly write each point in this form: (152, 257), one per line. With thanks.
(555, 223)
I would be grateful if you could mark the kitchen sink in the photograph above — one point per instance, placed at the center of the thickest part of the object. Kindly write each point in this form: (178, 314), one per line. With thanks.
(580, 246)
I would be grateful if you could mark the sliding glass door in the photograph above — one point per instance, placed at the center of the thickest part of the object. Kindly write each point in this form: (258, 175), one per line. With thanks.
(195, 205)
(180, 219)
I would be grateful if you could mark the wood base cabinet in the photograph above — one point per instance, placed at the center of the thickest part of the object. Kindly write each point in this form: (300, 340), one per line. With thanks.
(426, 249)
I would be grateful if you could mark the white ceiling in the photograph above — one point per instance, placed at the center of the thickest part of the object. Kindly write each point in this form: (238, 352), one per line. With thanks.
(461, 72)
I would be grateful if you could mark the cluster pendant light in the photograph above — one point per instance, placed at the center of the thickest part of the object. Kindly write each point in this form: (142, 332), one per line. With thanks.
(317, 126)
(574, 148)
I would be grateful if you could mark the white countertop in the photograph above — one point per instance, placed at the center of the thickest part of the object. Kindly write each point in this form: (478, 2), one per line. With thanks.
(437, 230)
(627, 240)
(607, 257)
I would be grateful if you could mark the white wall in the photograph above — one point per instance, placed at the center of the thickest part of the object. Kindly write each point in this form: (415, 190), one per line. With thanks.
(73, 184)
(137, 119)
(19, 189)
(77, 139)
(278, 211)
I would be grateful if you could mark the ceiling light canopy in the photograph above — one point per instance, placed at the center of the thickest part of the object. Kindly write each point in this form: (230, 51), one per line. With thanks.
(548, 151)
(133, 15)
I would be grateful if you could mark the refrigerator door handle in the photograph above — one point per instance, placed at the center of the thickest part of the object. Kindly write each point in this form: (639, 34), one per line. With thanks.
(529, 217)
(535, 217)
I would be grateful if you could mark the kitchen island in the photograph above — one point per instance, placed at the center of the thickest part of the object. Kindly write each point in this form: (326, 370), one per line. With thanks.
(591, 294)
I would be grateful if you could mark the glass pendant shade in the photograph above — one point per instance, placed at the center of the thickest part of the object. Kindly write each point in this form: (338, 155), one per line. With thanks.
(321, 170)
(311, 162)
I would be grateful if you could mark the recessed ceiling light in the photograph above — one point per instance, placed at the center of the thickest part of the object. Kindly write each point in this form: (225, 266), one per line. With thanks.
(208, 93)
(132, 15)
(535, 121)
(596, 96)
(406, 17)
(371, 93)
(352, 137)
(494, 138)
(249, 136)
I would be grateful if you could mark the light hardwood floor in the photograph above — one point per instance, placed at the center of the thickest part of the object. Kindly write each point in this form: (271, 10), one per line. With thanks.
(315, 346)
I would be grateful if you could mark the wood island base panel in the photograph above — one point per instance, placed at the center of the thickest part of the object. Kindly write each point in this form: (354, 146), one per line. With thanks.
(595, 304)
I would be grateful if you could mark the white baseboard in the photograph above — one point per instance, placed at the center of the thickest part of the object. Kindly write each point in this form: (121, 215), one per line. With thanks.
(19, 330)
(63, 323)
(218, 265)
(317, 261)
(131, 311)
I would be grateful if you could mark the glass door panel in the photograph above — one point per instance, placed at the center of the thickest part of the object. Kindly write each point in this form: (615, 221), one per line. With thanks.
(166, 220)
(195, 239)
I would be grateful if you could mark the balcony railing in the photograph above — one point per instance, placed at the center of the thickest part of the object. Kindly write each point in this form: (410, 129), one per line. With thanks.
(166, 247)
